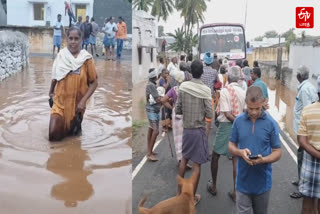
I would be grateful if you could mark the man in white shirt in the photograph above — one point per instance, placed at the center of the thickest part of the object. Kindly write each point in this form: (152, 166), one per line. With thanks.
(173, 66)
(161, 66)
(57, 35)
(109, 40)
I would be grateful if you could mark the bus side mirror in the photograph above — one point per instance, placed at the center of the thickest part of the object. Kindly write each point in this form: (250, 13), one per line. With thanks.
(248, 44)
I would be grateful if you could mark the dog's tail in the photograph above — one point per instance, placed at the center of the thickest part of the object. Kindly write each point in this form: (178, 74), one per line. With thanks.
(142, 209)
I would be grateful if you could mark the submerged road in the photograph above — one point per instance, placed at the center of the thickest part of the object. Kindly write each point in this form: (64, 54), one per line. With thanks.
(90, 173)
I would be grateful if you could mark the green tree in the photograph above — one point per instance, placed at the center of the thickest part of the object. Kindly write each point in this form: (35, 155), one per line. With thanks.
(162, 8)
(179, 43)
(142, 4)
(192, 12)
(290, 37)
(303, 36)
(271, 34)
(289, 34)
(190, 42)
(258, 38)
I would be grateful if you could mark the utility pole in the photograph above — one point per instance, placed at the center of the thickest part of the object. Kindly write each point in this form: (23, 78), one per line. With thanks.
(245, 16)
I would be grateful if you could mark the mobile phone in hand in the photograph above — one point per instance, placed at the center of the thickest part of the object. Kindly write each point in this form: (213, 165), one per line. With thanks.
(253, 157)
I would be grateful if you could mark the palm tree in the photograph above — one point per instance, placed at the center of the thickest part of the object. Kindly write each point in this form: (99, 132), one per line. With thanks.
(190, 42)
(192, 11)
(162, 8)
(179, 43)
(142, 4)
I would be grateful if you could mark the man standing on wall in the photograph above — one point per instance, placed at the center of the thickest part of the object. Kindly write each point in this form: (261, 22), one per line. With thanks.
(121, 36)
(70, 13)
(57, 35)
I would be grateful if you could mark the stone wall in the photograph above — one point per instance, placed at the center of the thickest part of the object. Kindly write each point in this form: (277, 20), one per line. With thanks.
(13, 53)
(269, 54)
(41, 39)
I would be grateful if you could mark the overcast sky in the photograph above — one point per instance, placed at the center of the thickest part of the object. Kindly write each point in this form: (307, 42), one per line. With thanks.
(262, 15)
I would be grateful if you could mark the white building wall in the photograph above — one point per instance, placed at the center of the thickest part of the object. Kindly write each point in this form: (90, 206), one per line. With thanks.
(143, 34)
(304, 55)
(20, 12)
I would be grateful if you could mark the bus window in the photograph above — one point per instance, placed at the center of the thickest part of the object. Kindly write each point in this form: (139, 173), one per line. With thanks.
(225, 40)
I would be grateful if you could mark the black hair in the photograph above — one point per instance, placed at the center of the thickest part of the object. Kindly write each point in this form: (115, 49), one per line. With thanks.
(92, 19)
(254, 94)
(239, 63)
(196, 69)
(120, 17)
(245, 63)
(220, 61)
(76, 29)
(257, 71)
(183, 66)
(223, 69)
(161, 60)
(182, 57)
(151, 69)
(255, 63)
(59, 15)
(163, 70)
(190, 57)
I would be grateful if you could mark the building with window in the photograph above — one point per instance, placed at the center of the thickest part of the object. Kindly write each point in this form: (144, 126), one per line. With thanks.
(144, 44)
(44, 12)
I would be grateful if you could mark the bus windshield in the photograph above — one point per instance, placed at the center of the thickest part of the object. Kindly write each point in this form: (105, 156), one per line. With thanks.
(226, 41)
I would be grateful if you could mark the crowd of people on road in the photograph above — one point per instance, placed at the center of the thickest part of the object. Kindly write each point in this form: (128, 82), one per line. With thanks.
(114, 34)
(195, 95)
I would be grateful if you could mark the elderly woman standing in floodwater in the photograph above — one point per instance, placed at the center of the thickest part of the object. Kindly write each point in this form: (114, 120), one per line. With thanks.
(74, 80)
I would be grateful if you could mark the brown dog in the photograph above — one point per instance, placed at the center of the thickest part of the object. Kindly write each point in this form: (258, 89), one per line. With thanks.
(181, 204)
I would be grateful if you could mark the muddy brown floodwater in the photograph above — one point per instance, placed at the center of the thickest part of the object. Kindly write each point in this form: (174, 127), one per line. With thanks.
(90, 173)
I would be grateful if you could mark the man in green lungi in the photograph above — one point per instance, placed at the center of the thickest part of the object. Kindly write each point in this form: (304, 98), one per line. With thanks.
(232, 103)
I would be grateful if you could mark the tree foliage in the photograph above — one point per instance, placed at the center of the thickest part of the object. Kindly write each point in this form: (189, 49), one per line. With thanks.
(162, 8)
(271, 34)
(258, 38)
(183, 43)
(142, 4)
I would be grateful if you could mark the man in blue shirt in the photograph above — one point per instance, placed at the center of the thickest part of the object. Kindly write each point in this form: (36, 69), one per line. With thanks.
(256, 77)
(255, 140)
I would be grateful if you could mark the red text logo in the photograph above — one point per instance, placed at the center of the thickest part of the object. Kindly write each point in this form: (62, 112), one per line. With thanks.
(304, 17)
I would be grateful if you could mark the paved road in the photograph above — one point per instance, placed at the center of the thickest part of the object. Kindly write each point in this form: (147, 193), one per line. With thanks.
(159, 179)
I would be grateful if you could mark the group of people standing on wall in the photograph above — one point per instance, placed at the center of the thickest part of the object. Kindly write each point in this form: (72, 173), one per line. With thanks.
(114, 34)
(230, 95)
